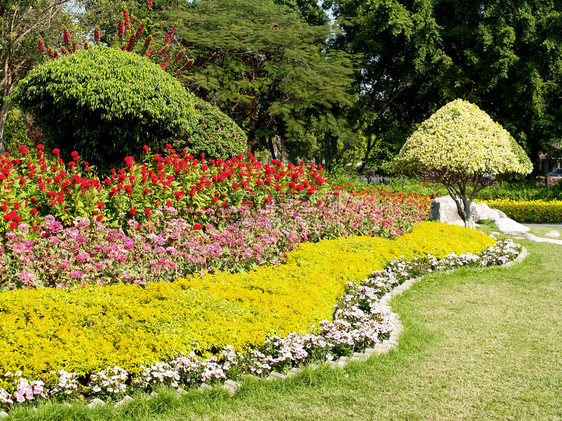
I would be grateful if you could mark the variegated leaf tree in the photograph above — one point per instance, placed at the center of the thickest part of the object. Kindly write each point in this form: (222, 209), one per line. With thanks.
(461, 147)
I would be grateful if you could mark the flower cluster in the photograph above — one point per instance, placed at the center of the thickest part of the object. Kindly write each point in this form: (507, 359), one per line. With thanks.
(529, 211)
(358, 323)
(90, 252)
(36, 185)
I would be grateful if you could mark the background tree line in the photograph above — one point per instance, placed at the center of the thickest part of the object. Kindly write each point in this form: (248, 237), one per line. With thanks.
(304, 88)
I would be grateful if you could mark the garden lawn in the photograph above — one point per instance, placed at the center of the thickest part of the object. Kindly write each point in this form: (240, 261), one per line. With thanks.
(478, 344)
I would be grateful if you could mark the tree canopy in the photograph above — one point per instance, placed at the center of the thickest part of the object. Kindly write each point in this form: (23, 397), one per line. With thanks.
(505, 56)
(463, 148)
(22, 23)
(270, 72)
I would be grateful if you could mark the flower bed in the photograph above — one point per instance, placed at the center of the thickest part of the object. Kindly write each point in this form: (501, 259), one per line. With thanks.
(529, 211)
(358, 322)
(163, 248)
(84, 330)
(36, 185)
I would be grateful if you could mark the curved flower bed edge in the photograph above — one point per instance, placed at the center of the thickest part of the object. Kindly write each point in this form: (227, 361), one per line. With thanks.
(362, 320)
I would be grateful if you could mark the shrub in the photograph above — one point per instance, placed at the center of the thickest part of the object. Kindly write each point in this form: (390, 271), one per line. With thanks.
(463, 148)
(106, 103)
(214, 134)
(87, 329)
(529, 211)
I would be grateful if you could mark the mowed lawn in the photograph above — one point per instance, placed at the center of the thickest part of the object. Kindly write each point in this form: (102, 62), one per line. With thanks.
(478, 344)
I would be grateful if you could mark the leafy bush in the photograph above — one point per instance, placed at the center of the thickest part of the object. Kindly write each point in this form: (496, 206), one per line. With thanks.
(214, 134)
(462, 147)
(106, 103)
(87, 329)
(529, 211)
(524, 190)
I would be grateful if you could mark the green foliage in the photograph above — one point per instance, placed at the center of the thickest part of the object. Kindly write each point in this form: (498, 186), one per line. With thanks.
(270, 72)
(214, 134)
(462, 141)
(14, 131)
(21, 23)
(105, 103)
(505, 56)
(463, 148)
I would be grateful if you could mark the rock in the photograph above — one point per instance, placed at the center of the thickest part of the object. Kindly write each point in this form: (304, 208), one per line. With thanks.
(123, 401)
(275, 375)
(96, 402)
(231, 386)
(444, 209)
(204, 386)
(293, 371)
(3, 414)
(552, 234)
(508, 225)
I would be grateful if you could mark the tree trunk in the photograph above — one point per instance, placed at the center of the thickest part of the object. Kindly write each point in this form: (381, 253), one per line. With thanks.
(3, 117)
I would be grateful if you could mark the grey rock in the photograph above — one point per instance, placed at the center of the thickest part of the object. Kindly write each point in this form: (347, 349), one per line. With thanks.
(124, 401)
(275, 375)
(231, 386)
(293, 371)
(444, 209)
(552, 234)
(204, 386)
(96, 402)
(3, 414)
(180, 391)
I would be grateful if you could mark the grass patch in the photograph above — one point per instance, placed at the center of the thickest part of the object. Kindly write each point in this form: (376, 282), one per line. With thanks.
(478, 344)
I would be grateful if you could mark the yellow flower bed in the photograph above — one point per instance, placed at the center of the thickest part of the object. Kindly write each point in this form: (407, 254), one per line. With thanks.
(86, 330)
(529, 211)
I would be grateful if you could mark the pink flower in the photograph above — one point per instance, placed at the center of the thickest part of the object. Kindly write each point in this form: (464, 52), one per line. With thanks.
(76, 274)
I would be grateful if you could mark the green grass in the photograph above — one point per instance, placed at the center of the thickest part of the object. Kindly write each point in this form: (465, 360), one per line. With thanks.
(478, 344)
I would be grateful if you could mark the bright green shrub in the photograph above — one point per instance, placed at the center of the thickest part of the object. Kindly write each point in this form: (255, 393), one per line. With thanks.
(105, 103)
(529, 211)
(213, 134)
(462, 147)
(87, 329)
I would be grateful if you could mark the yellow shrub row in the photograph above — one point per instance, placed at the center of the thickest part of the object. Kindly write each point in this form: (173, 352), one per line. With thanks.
(86, 330)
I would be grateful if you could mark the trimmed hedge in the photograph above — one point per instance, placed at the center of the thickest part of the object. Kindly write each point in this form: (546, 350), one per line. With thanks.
(105, 103)
(88, 329)
(529, 211)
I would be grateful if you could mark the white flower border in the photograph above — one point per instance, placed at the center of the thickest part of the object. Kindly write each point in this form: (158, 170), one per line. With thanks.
(363, 322)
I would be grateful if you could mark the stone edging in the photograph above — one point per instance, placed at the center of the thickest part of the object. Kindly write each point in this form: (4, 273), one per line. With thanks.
(381, 348)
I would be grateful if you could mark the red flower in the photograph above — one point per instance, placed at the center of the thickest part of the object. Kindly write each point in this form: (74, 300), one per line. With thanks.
(99, 217)
(41, 45)
(56, 151)
(149, 4)
(23, 150)
(198, 226)
(133, 211)
(147, 212)
(97, 34)
(126, 19)
(121, 29)
(146, 148)
(66, 37)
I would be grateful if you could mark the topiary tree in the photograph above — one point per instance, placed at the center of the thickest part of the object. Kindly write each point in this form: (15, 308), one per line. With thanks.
(214, 134)
(105, 103)
(461, 147)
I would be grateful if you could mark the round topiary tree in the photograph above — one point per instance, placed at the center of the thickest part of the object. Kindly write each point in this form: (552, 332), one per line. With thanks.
(105, 103)
(213, 134)
(461, 147)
